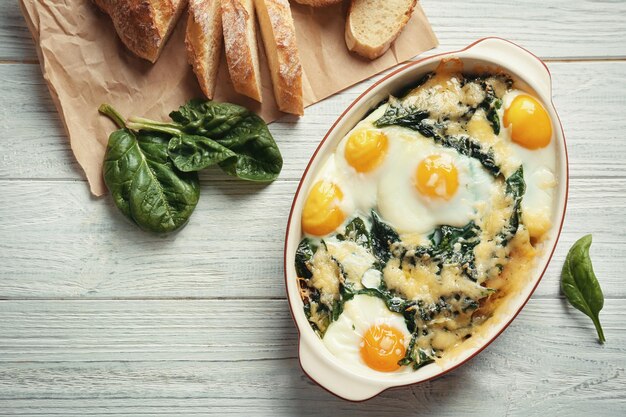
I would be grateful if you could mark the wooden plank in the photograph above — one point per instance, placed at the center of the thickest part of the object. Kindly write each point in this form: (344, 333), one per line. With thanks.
(16, 43)
(214, 358)
(589, 97)
(58, 242)
(558, 29)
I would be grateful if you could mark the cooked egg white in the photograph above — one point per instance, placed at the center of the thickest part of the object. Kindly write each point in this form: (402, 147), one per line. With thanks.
(368, 336)
(409, 209)
(539, 167)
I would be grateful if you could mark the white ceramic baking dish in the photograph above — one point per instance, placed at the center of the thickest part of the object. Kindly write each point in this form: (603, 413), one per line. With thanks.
(529, 73)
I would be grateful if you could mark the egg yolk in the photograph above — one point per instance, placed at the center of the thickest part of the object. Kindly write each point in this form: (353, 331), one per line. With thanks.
(437, 177)
(366, 149)
(382, 347)
(322, 214)
(531, 125)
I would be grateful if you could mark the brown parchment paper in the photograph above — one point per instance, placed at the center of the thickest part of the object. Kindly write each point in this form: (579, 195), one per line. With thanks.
(85, 64)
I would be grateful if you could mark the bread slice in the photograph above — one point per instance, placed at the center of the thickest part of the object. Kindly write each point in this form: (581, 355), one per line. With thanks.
(372, 25)
(143, 25)
(242, 51)
(318, 3)
(279, 38)
(204, 42)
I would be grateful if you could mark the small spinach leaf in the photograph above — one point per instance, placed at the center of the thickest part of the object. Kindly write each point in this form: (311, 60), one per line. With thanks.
(580, 285)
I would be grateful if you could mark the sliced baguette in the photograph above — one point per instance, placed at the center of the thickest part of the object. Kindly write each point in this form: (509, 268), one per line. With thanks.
(242, 51)
(372, 25)
(318, 3)
(279, 38)
(204, 42)
(143, 25)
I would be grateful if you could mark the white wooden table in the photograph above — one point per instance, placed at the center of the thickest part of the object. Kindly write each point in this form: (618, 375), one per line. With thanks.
(98, 318)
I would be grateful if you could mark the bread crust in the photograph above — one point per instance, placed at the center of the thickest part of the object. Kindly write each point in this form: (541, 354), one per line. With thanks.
(203, 41)
(242, 53)
(354, 44)
(279, 37)
(143, 25)
(318, 3)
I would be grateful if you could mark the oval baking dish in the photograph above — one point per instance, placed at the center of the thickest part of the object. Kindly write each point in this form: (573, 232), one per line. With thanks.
(489, 54)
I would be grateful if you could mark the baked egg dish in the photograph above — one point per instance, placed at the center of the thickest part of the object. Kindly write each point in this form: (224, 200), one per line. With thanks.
(430, 211)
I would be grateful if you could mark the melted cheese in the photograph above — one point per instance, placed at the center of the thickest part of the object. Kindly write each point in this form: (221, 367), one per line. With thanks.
(325, 276)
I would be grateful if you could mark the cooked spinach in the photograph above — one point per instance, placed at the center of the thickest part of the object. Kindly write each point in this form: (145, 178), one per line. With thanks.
(206, 133)
(465, 145)
(304, 254)
(515, 187)
(580, 285)
(383, 236)
(415, 119)
(356, 231)
(491, 104)
(416, 355)
(397, 114)
(492, 115)
(144, 183)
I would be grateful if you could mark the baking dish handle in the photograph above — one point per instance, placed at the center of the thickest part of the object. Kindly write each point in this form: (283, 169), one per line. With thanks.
(510, 55)
(334, 379)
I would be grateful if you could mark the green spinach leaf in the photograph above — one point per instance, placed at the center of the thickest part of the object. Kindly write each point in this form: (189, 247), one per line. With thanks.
(415, 119)
(580, 285)
(516, 188)
(397, 114)
(206, 133)
(452, 245)
(143, 182)
(193, 153)
(383, 236)
(356, 231)
(304, 253)
(470, 147)
(209, 118)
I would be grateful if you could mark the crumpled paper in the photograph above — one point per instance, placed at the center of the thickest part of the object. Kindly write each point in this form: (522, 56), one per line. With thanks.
(85, 64)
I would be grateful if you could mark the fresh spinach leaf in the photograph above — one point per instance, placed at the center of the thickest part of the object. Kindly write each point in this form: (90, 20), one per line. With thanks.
(193, 153)
(383, 236)
(257, 157)
(580, 285)
(144, 183)
(209, 118)
(223, 127)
